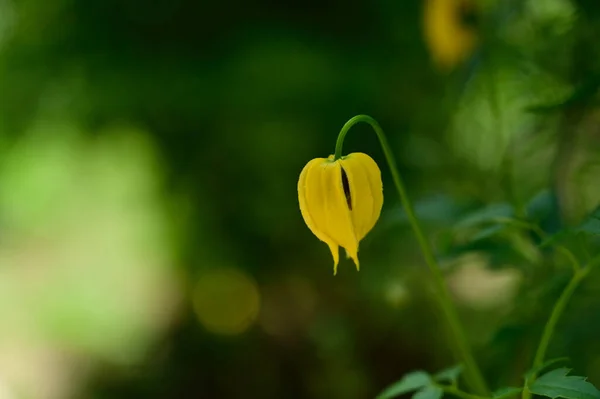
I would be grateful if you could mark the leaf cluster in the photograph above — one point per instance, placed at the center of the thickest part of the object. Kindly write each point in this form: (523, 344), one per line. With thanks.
(552, 384)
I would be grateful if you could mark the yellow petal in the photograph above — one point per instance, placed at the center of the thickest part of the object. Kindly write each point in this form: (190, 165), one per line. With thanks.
(312, 188)
(355, 259)
(338, 224)
(341, 201)
(327, 204)
(366, 193)
(366, 189)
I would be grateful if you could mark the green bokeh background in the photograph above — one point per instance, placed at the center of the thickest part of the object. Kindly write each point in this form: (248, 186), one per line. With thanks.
(149, 157)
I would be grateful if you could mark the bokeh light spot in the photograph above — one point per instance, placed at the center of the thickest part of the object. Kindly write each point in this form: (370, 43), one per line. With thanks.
(396, 294)
(475, 285)
(226, 301)
(288, 308)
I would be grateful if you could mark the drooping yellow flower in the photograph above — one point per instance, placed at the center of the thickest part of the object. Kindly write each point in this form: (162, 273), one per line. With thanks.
(341, 201)
(450, 31)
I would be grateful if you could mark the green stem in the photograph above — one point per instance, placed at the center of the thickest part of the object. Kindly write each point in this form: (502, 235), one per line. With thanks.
(557, 311)
(473, 375)
(452, 390)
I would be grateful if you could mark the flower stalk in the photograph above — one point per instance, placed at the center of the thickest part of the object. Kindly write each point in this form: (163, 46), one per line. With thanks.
(461, 348)
(550, 327)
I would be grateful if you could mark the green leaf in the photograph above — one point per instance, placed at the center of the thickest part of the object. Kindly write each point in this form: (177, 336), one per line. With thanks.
(594, 261)
(437, 209)
(487, 214)
(410, 382)
(558, 236)
(556, 384)
(488, 232)
(506, 392)
(449, 375)
(545, 365)
(429, 392)
(541, 205)
(591, 224)
(582, 95)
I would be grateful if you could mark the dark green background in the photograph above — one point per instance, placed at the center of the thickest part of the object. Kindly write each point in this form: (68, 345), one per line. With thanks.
(234, 98)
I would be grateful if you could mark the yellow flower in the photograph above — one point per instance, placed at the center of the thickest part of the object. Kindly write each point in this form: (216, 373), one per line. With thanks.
(449, 31)
(341, 200)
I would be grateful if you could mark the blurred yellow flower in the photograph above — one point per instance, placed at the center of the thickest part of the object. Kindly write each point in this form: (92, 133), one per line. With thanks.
(450, 31)
(341, 201)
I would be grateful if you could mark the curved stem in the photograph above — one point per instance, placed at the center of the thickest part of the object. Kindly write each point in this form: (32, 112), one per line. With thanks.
(473, 375)
(568, 254)
(557, 311)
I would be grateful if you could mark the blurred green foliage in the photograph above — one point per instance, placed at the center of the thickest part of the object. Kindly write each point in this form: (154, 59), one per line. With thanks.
(147, 148)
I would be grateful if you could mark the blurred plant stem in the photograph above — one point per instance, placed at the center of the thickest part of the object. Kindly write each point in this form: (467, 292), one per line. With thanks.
(460, 345)
(559, 308)
(452, 390)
